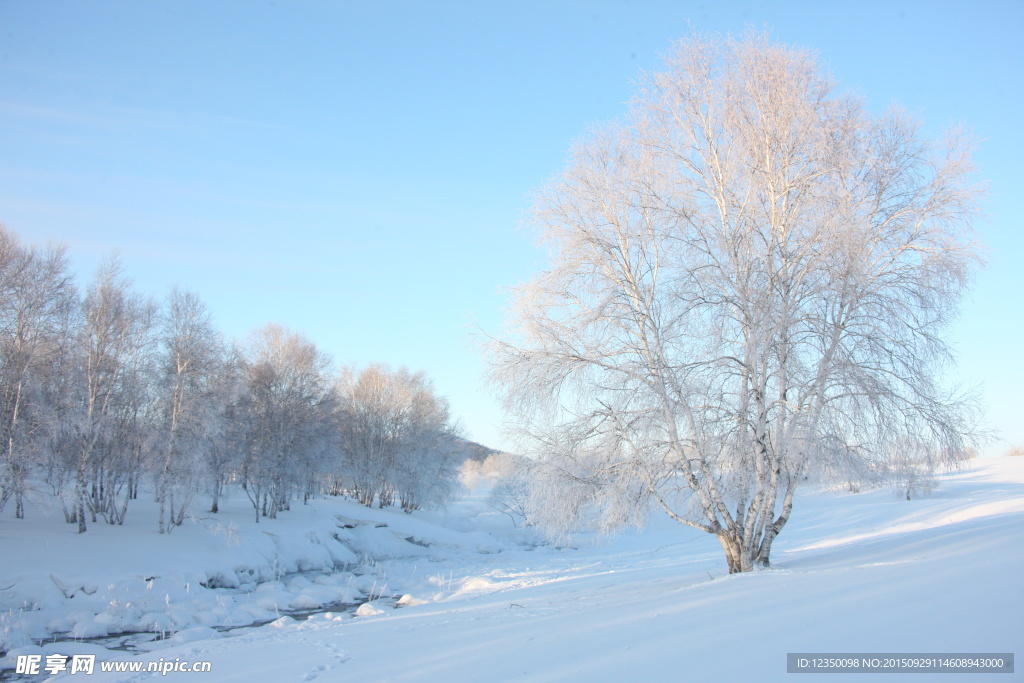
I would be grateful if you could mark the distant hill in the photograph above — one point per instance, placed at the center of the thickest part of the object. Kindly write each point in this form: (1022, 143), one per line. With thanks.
(476, 452)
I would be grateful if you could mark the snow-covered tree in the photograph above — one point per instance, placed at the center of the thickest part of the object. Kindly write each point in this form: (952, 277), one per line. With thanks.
(36, 296)
(190, 417)
(288, 413)
(371, 409)
(225, 453)
(397, 436)
(511, 478)
(750, 276)
(427, 463)
(113, 367)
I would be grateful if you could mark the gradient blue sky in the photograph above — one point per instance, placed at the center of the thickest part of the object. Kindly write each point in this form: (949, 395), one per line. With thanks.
(359, 171)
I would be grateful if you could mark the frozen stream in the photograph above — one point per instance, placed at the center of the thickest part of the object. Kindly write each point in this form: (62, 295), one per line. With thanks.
(297, 588)
(269, 603)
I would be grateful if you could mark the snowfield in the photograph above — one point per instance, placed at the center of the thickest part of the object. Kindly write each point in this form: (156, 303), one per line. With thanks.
(464, 596)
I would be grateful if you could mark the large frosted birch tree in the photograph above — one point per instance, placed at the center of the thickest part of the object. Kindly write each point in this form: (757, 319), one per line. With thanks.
(750, 276)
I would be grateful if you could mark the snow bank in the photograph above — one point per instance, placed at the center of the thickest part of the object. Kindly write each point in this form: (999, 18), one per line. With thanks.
(221, 570)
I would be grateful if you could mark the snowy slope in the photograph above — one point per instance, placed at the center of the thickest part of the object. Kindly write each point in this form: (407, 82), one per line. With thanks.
(853, 573)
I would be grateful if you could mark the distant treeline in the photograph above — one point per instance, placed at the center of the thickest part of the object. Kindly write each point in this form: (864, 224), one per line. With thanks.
(103, 388)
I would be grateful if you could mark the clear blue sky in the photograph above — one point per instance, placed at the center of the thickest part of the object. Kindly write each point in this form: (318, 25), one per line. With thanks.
(358, 171)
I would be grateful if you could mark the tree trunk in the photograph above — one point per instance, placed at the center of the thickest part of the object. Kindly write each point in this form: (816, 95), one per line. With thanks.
(737, 559)
(215, 508)
(80, 494)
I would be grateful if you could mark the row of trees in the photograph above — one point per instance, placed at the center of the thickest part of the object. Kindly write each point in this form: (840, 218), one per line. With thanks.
(103, 390)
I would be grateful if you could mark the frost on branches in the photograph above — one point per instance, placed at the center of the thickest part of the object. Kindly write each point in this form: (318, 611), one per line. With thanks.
(749, 279)
(105, 391)
(399, 438)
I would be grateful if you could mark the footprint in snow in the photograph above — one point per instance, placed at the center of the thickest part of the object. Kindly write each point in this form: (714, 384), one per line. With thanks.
(340, 656)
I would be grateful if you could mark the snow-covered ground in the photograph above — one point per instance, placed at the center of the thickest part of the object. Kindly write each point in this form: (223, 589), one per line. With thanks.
(854, 573)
